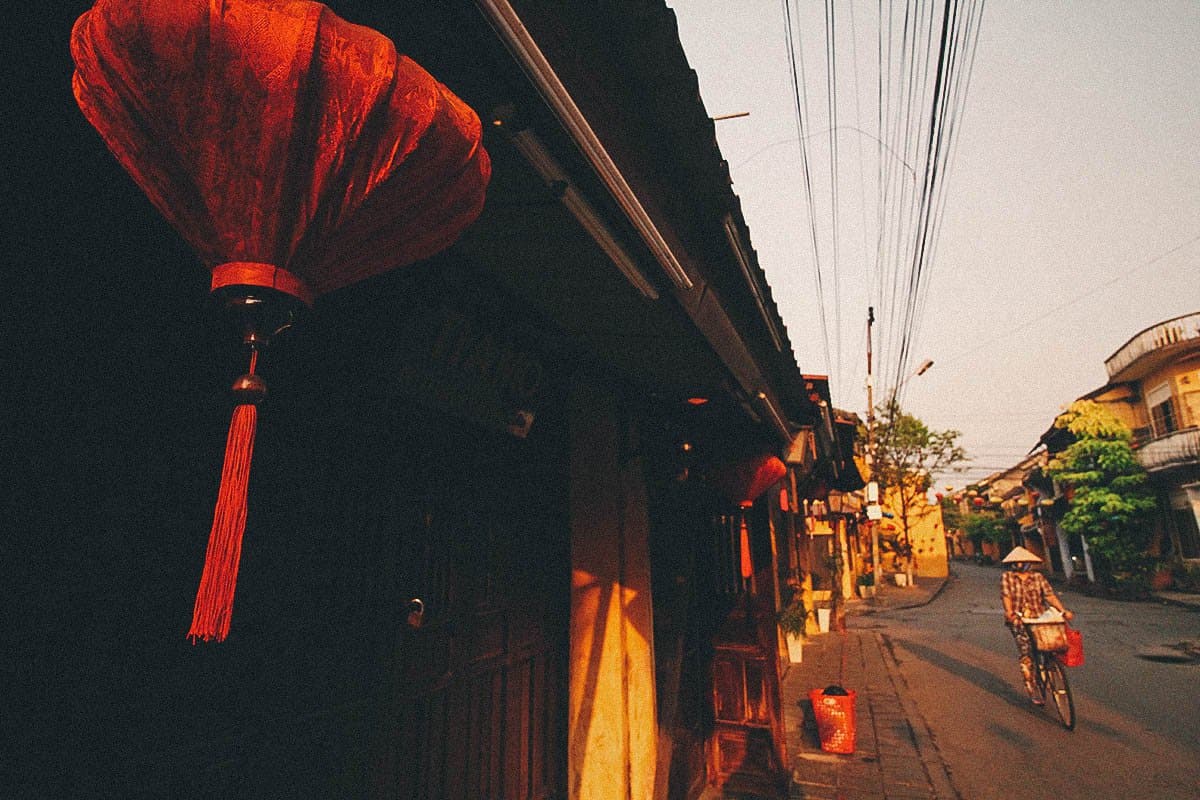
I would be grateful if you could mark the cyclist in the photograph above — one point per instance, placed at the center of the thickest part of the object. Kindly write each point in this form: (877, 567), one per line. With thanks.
(1026, 593)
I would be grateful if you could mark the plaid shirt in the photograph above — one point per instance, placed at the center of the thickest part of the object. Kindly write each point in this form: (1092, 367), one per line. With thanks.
(1028, 591)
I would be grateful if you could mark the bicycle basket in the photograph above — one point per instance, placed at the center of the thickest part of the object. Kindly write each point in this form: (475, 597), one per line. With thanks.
(1050, 637)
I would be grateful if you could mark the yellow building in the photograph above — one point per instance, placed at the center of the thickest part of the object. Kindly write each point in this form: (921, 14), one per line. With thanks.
(926, 534)
(1154, 383)
(1154, 387)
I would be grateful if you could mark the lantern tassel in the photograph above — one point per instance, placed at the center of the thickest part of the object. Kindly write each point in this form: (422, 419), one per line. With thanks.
(747, 563)
(214, 599)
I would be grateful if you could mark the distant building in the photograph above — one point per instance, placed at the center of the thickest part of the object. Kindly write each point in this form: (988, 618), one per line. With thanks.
(1023, 494)
(1154, 387)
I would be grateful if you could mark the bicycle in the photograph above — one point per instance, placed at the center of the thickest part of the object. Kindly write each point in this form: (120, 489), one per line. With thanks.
(1049, 673)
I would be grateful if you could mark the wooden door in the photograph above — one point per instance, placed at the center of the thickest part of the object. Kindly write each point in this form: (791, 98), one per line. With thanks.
(747, 749)
(477, 705)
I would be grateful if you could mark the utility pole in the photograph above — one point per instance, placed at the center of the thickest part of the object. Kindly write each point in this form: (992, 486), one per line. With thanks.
(871, 447)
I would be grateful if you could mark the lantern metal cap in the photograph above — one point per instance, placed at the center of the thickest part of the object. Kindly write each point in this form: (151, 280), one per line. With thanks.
(259, 313)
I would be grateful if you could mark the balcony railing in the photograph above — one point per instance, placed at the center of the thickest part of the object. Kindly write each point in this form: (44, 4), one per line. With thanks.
(1178, 449)
(1164, 334)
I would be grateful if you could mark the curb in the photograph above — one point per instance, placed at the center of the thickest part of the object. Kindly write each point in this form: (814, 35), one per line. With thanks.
(1175, 600)
(931, 758)
(924, 601)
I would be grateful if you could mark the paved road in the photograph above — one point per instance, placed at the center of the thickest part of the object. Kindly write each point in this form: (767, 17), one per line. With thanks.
(1138, 733)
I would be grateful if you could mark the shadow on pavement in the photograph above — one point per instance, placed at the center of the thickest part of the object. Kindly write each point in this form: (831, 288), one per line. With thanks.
(985, 680)
(1009, 735)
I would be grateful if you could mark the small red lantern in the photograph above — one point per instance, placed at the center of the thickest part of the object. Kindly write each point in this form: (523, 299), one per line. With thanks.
(295, 152)
(744, 482)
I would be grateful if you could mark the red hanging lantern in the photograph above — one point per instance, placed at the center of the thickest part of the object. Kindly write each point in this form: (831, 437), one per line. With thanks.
(744, 482)
(295, 152)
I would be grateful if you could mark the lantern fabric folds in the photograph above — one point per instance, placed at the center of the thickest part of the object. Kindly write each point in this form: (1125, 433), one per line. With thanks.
(744, 481)
(278, 134)
(293, 151)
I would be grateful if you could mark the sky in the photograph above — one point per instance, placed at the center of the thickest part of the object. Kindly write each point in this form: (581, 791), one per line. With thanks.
(1070, 219)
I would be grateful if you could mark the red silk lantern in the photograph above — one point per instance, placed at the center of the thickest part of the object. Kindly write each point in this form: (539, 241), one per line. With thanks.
(295, 152)
(744, 481)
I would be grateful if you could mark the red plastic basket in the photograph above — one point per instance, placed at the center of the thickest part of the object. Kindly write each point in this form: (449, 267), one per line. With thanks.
(837, 726)
(1074, 655)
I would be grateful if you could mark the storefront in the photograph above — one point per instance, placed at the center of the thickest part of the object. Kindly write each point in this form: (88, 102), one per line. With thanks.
(477, 561)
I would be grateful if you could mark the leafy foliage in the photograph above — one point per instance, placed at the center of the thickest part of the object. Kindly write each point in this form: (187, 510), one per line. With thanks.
(1110, 501)
(952, 517)
(907, 456)
(1186, 577)
(794, 614)
(988, 526)
(792, 617)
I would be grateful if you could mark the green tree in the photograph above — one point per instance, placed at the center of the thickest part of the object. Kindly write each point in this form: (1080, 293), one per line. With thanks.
(1110, 502)
(952, 518)
(907, 456)
(988, 526)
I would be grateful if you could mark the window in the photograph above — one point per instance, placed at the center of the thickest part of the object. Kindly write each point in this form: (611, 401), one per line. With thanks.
(1188, 385)
(1182, 521)
(1189, 537)
(1162, 410)
(1191, 409)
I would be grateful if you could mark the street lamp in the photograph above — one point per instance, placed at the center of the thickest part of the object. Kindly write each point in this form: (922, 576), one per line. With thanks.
(919, 371)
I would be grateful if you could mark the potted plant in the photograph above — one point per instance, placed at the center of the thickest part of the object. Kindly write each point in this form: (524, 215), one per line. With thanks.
(825, 616)
(1161, 577)
(792, 619)
(866, 584)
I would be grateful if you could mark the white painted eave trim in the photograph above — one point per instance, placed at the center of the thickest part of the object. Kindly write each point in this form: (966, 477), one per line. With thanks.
(752, 282)
(512, 31)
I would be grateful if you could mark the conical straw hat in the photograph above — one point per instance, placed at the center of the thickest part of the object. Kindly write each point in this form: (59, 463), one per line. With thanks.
(1020, 554)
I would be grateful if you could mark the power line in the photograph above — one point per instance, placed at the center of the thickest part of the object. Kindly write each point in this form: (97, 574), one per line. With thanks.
(800, 107)
(925, 50)
(831, 91)
(1071, 302)
(935, 87)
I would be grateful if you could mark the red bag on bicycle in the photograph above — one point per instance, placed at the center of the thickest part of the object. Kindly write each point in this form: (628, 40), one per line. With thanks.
(1074, 655)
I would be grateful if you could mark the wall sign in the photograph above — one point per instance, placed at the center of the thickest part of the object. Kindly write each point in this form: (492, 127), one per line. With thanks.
(448, 360)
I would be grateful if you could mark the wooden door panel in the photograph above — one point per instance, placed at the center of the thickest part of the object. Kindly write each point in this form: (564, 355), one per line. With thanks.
(477, 684)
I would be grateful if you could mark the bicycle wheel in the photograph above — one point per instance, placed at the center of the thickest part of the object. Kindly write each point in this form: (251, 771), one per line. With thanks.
(1058, 691)
(1040, 677)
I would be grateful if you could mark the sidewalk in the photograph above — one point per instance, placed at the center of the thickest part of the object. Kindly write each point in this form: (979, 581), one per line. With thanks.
(1189, 600)
(1184, 599)
(888, 596)
(895, 756)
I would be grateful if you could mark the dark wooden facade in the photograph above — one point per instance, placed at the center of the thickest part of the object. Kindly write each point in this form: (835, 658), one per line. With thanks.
(385, 468)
